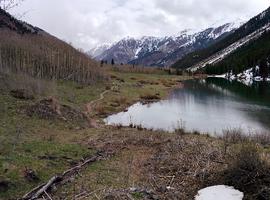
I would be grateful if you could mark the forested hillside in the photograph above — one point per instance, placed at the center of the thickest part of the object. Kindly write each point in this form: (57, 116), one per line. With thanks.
(254, 54)
(251, 26)
(30, 50)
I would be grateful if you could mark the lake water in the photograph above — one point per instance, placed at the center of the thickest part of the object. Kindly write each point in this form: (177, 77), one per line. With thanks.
(208, 106)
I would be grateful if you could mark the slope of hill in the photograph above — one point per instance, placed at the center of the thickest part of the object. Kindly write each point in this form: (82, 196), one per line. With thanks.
(30, 50)
(216, 52)
(161, 51)
(245, 57)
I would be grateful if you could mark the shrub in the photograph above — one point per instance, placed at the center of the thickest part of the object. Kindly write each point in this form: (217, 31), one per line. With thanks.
(248, 172)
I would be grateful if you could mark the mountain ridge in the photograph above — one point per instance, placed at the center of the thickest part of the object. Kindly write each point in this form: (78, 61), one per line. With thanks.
(160, 51)
(241, 36)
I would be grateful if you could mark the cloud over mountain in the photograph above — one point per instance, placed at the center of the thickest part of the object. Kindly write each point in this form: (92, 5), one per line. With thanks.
(87, 23)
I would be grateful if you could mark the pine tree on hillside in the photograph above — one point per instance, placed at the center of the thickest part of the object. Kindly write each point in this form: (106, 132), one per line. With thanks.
(264, 69)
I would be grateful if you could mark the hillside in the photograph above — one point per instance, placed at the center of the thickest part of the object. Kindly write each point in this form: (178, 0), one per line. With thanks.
(216, 52)
(160, 51)
(246, 57)
(30, 50)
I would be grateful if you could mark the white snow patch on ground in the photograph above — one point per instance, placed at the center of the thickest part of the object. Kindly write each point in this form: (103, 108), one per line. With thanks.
(219, 76)
(220, 192)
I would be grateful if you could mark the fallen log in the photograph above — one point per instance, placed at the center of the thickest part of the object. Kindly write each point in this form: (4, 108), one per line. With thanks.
(46, 186)
(41, 189)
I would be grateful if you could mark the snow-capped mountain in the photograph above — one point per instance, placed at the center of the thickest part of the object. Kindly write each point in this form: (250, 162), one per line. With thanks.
(245, 41)
(219, 56)
(98, 50)
(161, 51)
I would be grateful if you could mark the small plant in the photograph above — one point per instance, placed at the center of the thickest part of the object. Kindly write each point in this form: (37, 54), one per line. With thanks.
(150, 97)
(195, 132)
(180, 127)
(140, 127)
(119, 126)
(234, 136)
(100, 110)
(120, 100)
(137, 195)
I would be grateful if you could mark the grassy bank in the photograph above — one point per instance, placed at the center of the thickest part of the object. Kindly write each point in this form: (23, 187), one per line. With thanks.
(47, 145)
(61, 126)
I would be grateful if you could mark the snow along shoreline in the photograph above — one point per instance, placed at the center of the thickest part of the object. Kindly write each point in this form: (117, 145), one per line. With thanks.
(247, 77)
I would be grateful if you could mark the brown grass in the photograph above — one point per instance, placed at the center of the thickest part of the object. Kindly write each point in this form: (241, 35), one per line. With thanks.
(100, 110)
(238, 136)
(150, 97)
(136, 69)
(248, 172)
(20, 81)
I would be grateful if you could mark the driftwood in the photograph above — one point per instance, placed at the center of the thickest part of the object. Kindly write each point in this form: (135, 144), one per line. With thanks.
(42, 189)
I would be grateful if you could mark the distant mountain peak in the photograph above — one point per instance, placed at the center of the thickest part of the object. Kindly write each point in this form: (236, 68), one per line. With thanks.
(245, 40)
(96, 51)
(159, 51)
(186, 32)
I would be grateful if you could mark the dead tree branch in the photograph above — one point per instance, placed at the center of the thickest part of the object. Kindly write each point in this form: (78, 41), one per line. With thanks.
(43, 188)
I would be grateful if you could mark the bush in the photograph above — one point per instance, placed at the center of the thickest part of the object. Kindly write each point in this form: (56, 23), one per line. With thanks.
(234, 136)
(248, 172)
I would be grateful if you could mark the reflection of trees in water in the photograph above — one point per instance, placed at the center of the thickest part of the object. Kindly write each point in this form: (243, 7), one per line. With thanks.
(263, 88)
(261, 116)
(258, 92)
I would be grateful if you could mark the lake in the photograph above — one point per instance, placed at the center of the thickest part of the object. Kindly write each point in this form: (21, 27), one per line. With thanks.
(209, 106)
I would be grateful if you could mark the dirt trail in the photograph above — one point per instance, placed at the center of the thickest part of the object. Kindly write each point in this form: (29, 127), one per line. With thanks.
(89, 105)
(89, 109)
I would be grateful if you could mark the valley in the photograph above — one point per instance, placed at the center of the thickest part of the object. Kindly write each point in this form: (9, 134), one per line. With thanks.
(151, 118)
(37, 146)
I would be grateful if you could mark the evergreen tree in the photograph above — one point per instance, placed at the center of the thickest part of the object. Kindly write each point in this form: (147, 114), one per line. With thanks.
(101, 63)
(264, 68)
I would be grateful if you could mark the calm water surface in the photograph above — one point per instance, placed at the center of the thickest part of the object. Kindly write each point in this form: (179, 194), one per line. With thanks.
(209, 106)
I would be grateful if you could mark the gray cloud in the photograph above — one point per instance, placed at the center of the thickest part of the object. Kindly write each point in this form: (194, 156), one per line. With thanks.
(86, 23)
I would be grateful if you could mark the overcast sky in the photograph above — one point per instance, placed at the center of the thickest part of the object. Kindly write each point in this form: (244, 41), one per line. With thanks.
(86, 23)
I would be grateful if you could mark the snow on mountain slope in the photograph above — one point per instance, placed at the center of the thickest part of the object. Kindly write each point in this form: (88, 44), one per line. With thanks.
(160, 51)
(230, 49)
(98, 50)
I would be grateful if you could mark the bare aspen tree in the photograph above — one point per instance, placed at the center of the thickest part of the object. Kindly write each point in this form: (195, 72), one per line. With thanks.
(43, 56)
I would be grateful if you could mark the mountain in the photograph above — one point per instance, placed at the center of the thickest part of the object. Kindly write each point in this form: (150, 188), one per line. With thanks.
(29, 50)
(161, 51)
(254, 53)
(249, 43)
(98, 50)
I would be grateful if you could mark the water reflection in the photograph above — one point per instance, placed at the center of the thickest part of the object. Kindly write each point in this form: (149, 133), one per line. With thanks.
(208, 106)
